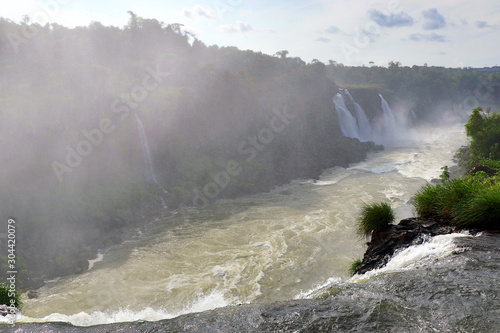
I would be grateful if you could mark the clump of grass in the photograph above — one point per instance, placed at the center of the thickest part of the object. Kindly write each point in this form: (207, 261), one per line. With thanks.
(471, 201)
(373, 218)
(425, 201)
(445, 199)
(483, 210)
(354, 265)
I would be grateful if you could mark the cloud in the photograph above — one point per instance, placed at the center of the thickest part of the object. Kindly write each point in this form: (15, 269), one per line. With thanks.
(482, 24)
(433, 20)
(428, 38)
(239, 27)
(323, 40)
(332, 30)
(208, 13)
(393, 20)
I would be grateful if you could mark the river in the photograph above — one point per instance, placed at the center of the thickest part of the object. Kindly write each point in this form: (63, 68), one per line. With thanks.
(288, 244)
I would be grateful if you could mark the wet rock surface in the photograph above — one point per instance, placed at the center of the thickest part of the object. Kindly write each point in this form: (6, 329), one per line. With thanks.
(411, 231)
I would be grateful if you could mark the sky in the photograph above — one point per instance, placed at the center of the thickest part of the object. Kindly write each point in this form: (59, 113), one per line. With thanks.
(450, 33)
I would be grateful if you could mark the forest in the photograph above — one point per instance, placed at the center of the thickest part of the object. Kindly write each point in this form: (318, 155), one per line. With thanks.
(77, 105)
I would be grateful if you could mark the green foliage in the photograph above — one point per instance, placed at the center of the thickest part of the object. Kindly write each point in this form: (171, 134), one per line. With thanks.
(483, 210)
(354, 265)
(468, 201)
(442, 200)
(374, 218)
(484, 131)
(445, 175)
(463, 157)
(5, 297)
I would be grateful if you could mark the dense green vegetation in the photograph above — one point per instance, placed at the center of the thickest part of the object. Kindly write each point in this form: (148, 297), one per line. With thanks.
(373, 218)
(472, 200)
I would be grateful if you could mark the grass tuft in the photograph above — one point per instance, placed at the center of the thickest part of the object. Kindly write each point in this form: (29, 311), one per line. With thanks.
(445, 199)
(354, 265)
(373, 218)
(483, 210)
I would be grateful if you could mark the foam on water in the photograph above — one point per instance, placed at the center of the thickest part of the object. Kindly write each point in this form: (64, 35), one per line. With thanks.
(437, 247)
(314, 290)
(201, 303)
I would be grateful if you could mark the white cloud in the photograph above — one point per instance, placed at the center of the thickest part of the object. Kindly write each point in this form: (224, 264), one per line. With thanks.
(428, 38)
(482, 24)
(433, 20)
(239, 27)
(332, 30)
(400, 19)
(208, 13)
(323, 40)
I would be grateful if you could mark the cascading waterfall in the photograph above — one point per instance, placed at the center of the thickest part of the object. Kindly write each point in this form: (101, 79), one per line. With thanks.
(413, 114)
(388, 131)
(347, 122)
(148, 160)
(389, 120)
(365, 129)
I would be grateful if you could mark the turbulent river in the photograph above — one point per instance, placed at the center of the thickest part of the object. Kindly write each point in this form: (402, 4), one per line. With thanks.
(289, 244)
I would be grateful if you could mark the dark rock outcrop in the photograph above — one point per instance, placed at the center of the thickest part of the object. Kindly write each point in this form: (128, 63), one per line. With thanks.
(489, 171)
(408, 232)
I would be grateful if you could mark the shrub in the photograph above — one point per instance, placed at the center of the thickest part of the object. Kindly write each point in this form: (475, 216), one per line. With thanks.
(445, 175)
(5, 298)
(483, 210)
(373, 218)
(425, 201)
(444, 200)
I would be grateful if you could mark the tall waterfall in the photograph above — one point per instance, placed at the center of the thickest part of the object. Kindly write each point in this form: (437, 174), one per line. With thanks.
(347, 122)
(389, 120)
(365, 129)
(354, 123)
(148, 161)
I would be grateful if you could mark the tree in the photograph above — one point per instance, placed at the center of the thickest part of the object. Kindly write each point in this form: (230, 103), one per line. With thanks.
(394, 64)
(282, 54)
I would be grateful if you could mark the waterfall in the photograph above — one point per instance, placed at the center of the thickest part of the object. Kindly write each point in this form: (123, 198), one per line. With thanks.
(413, 114)
(365, 129)
(347, 122)
(389, 120)
(148, 161)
